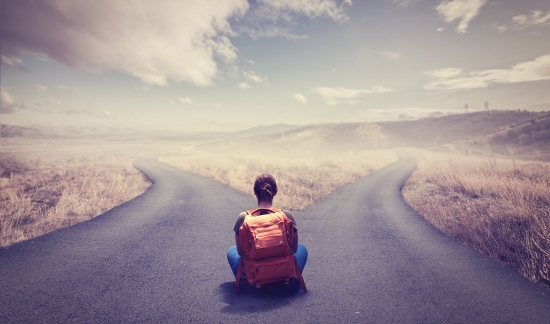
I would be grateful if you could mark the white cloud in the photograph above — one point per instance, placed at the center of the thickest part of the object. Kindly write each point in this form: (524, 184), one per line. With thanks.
(182, 100)
(276, 18)
(156, 42)
(212, 105)
(497, 27)
(458, 79)
(389, 55)
(48, 101)
(54, 101)
(12, 63)
(281, 9)
(253, 76)
(333, 96)
(224, 49)
(501, 28)
(404, 3)
(41, 88)
(440, 29)
(270, 31)
(251, 62)
(463, 10)
(444, 73)
(185, 100)
(300, 98)
(379, 89)
(9, 103)
(537, 18)
(107, 113)
(65, 87)
(243, 85)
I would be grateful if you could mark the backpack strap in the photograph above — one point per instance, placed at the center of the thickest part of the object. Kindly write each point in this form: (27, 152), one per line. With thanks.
(239, 273)
(302, 282)
(273, 210)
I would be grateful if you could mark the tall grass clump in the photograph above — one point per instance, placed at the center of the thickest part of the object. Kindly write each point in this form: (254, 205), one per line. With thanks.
(302, 180)
(37, 197)
(499, 207)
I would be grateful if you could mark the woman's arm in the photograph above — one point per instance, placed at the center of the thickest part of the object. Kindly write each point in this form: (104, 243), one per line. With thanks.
(294, 242)
(238, 244)
(238, 224)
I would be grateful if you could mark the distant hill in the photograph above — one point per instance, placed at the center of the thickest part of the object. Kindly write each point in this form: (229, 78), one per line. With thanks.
(262, 130)
(450, 129)
(114, 132)
(218, 136)
(46, 131)
(307, 139)
(523, 139)
(104, 132)
(477, 131)
(518, 133)
(17, 131)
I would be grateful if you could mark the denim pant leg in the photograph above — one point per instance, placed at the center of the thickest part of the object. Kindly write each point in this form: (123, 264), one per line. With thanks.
(234, 259)
(301, 256)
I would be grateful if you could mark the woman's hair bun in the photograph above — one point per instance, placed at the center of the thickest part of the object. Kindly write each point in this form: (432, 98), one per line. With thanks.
(265, 187)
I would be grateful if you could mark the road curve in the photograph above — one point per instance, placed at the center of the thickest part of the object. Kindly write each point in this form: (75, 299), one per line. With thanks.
(161, 258)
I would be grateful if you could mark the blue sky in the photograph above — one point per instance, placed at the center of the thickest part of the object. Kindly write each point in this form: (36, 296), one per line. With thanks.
(230, 65)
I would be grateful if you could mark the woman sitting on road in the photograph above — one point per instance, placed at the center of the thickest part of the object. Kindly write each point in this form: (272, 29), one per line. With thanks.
(265, 188)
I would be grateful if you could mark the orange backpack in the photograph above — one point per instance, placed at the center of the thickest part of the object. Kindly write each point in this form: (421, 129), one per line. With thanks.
(266, 245)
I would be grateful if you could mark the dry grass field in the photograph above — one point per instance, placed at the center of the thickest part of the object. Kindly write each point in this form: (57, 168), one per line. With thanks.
(47, 184)
(37, 197)
(499, 207)
(302, 179)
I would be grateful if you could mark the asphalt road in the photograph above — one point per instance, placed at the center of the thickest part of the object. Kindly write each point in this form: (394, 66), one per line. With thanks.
(161, 258)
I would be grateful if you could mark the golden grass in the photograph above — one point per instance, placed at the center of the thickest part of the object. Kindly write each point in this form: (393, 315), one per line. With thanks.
(499, 207)
(37, 197)
(302, 180)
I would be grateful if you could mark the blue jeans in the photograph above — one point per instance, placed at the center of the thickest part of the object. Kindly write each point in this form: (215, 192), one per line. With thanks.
(234, 258)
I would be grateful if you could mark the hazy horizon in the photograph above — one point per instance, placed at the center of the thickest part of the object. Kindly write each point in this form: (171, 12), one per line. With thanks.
(228, 66)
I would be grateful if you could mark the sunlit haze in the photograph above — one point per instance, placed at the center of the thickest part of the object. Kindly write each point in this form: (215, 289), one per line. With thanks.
(200, 65)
